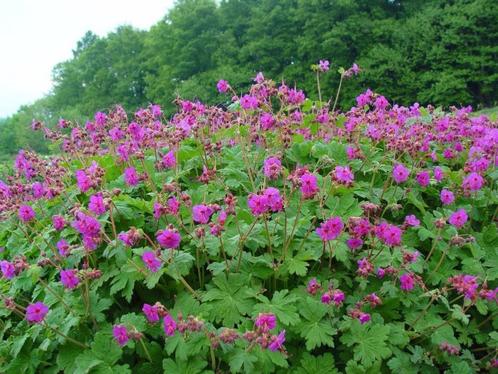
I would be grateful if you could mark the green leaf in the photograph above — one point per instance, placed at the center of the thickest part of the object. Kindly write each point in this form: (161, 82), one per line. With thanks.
(282, 305)
(242, 359)
(316, 331)
(323, 364)
(86, 361)
(229, 299)
(105, 348)
(184, 367)
(369, 342)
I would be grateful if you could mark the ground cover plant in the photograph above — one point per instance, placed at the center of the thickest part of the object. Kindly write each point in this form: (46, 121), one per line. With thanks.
(275, 235)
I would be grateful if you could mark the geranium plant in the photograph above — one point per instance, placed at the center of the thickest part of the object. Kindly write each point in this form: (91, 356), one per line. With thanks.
(280, 235)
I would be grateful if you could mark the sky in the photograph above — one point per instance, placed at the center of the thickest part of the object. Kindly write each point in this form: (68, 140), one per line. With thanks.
(35, 35)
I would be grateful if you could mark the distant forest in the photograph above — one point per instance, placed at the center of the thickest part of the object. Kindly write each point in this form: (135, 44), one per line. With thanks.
(427, 51)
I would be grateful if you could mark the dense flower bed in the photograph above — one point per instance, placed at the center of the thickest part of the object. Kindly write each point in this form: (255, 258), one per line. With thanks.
(277, 235)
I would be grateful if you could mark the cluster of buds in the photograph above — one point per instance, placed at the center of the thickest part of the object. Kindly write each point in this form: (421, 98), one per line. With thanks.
(452, 350)
(261, 335)
(459, 241)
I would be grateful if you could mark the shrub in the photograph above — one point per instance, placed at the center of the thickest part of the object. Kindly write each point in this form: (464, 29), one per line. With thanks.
(276, 236)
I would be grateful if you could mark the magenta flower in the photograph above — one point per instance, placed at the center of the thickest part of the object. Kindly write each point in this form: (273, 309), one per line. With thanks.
(173, 206)
(59, 222)
(295, 96)
(338, 297)
(473, 182)
(169, 160)
(83, 181)
(96, 204)
(309, 185)
(168, 238)
(69, 278)
(364, 317)
(248, 102)
(116, 134)
(273, 199)
(407, 282)
(277, 342)
(447, 197)
(323, 66)
(35, 313)
(400, 173)
(465, 284)
(458, 218)
(381, 103)
(313, 286)
(411, 220)
(222, 86)
(343, 174)
(169, 325)
(438, 174)
(389, 234)
(354, 243)
(202, 213)
(365, 267)
(272, 167)
(131, 177)
(26, 213)
(266, 321)
(326, 298)
(63, 247)
(267, 121)
(151, 313)
(120, 334)
(330, 229)
(423, 178)
(89, 228)
(151, 261)
(8, 269)
(38, 190)
(258, 204)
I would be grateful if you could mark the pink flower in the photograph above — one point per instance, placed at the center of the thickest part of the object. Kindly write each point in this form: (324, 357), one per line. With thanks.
(168, 238)
(381, 103)
(389, 234)
(411, 220)
(151, 261)
(35, 313)
(63, 248)
(266, 321)
(151, 313)
(129, 238)
(69, 278)
(309, 185)
(173, 206)
(400, 173)
(313, 286)
(343, 174)
(258, 204)
(222, 86)
(26, 213)
(330, 229)
(38, 190)
(447, 197)
(354, 243)
(465, 284)
(83, 181)
(272, 167)
(131, 177)
(458, 218)
(120, 334)
(59, 222)
(423, 178)
(438, 174)
(295, 97)
(8, 269)
(277, 342)
(169, 325)
(97, 204)
(407, 282)
(267, 121)
(169, 160)
(248, 102)
(338, 297)
(324, 66)
(364, 317)
(273, 199)
(473, 182)
(202, 213)
(365, 267)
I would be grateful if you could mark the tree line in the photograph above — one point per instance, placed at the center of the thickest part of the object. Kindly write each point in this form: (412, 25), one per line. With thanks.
(427, 51)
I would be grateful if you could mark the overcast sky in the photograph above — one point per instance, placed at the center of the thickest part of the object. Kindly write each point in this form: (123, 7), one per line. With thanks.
(37, 34)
